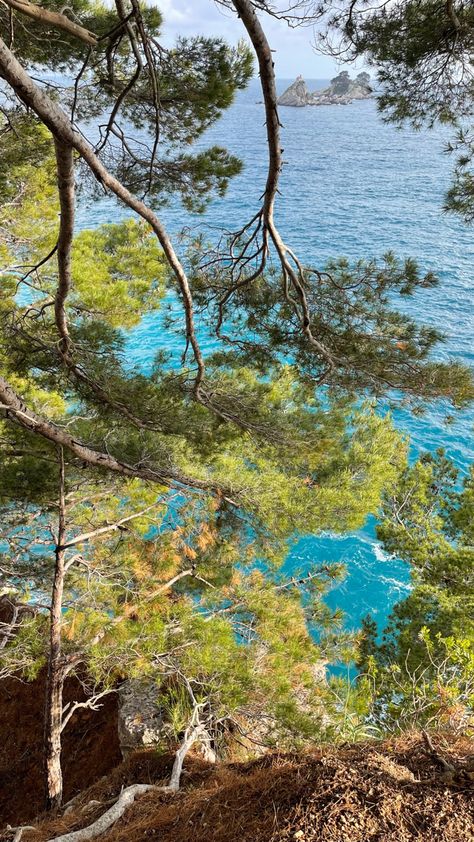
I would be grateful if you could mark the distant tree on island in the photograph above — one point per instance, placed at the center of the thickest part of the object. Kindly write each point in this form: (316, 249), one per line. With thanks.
(146, 515)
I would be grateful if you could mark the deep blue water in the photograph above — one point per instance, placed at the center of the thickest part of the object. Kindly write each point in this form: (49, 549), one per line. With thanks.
(351, 186)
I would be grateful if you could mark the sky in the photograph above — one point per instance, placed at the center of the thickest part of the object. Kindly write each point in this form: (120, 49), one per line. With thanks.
(294, 53)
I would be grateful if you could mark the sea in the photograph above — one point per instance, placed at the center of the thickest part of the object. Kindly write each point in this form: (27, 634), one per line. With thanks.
(357, 187)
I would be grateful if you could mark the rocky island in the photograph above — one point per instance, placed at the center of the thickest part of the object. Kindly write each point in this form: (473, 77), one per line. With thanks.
(341, 91)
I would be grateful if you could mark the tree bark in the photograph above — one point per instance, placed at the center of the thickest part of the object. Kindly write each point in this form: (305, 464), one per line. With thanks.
(66, 188)
(17, 411)
(55, 19)
(246, 12)
(54, 707)
(55, 679)
(57, 121)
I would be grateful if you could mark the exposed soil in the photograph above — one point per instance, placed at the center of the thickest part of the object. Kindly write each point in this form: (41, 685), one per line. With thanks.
(91, 747)
(377, 792)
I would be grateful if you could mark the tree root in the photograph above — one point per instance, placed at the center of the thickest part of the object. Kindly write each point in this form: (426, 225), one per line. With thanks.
(128, 795)
(112, 815)
(451, 774)
(18, 831)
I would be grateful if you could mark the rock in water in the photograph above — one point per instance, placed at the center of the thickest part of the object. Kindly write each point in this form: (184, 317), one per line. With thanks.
(297, 95)
(341, 91)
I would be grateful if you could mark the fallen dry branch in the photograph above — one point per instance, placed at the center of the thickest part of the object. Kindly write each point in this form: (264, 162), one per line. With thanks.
(18, 831)
(447, 767)
(108, 818)
(453, 774)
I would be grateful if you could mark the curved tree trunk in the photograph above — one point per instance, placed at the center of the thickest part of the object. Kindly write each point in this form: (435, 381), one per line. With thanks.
(128, 795)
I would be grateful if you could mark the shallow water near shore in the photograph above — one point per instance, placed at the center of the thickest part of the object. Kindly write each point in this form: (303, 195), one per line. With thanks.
(352, 186)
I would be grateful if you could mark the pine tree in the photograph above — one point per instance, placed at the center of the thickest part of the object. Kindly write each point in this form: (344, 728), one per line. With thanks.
(239, 451)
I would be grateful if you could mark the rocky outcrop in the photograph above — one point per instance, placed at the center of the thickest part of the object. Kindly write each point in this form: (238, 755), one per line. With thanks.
(297, 95)
(140, 720)
(142, 723)
(341, 91)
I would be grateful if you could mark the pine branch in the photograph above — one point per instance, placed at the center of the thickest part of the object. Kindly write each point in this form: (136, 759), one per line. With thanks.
(16, 410)
(102, 530)
(62, 129)
(55, 19)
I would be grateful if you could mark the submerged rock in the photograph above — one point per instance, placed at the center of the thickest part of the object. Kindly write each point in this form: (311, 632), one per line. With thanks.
(341, 91)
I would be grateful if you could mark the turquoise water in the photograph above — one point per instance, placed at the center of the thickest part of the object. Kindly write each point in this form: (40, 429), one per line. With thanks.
(351, 186)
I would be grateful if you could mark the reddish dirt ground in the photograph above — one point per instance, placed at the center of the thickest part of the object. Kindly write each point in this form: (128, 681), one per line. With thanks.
(90, 751)
(377, 792)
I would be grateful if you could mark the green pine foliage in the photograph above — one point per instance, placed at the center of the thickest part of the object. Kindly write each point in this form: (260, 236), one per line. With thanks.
(422, 671)
(373, 346)
(304, 462)
(429, 524)
(180, 580)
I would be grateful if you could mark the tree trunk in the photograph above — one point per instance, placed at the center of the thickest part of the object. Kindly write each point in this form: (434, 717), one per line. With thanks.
(55, 679)
(54, 707)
